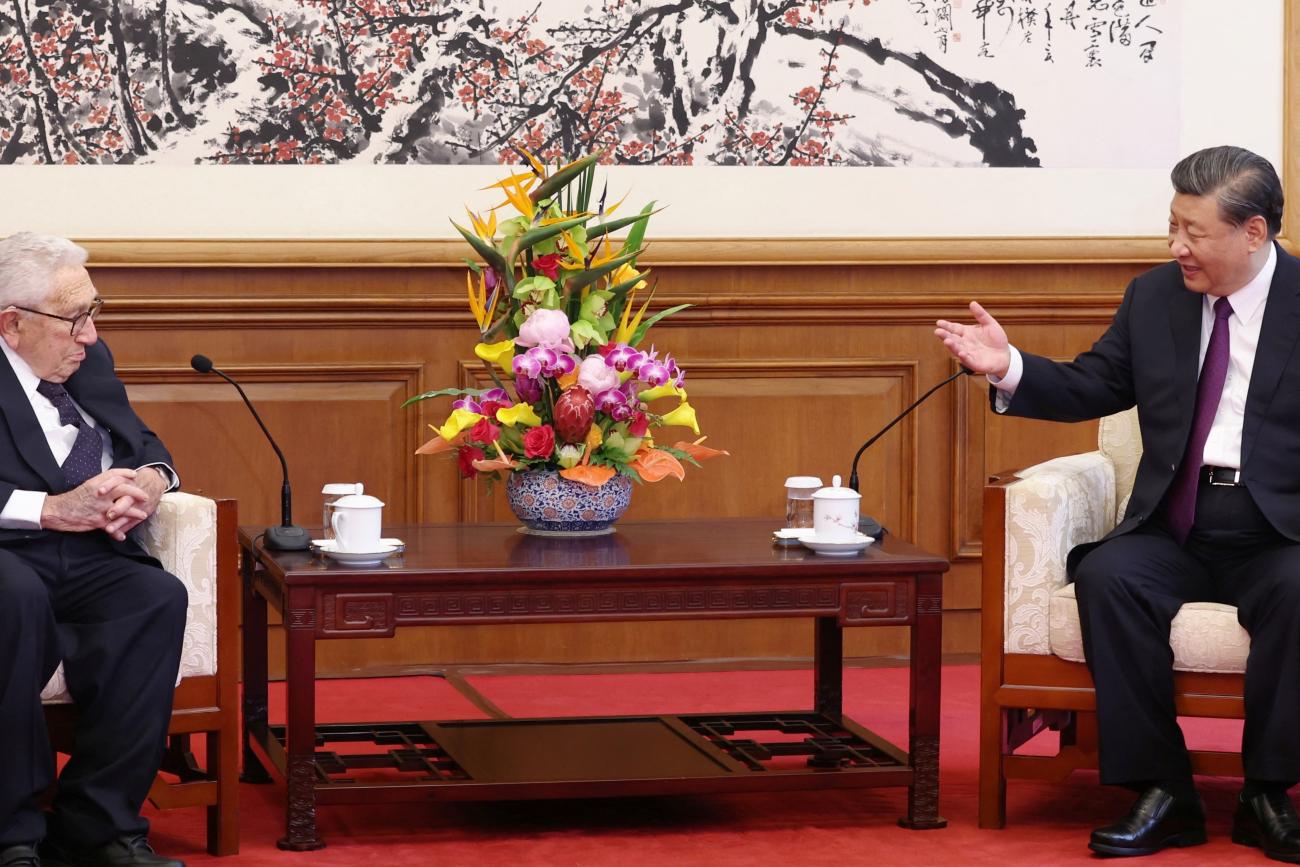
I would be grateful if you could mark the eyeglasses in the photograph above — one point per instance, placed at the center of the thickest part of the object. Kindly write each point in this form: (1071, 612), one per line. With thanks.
(77, 322)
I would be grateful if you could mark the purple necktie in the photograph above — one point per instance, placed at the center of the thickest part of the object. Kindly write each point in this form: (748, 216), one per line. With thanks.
(87, 456)
(1180, 509)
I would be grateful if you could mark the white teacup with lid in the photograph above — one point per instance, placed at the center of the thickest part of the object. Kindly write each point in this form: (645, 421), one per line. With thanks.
(357, 522)
(835, 513)
(332, 493)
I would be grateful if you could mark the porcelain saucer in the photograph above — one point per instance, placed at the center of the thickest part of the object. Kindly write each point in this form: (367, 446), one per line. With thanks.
(790, 536)
(838, 549)
(387, 548)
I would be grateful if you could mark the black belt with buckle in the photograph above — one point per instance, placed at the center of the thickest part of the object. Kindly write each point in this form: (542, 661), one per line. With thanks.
(1221, 476)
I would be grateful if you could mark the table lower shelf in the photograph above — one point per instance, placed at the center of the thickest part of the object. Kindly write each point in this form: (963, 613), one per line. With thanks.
(592, 756)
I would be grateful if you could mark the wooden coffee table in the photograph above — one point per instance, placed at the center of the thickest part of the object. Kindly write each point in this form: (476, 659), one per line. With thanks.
(457, 574)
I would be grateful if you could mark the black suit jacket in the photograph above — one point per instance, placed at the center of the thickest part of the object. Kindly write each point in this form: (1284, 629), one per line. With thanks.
(1150, 356)
(26, 462)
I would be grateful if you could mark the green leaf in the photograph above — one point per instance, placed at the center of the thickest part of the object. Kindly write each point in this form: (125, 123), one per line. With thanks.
(637, 236)
(489, 253)
(445, 392)
(619, 290)
(561, 179)
(472, 265)
(585, 186)
(619, 223)
(586, 278)
(645, 325)
(541, 233)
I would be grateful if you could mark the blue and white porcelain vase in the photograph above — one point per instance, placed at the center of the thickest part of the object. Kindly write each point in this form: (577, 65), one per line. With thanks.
(546, 502)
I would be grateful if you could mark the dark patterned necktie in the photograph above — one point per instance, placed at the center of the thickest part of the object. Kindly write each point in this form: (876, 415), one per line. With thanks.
(87, 456)
(1181, 506)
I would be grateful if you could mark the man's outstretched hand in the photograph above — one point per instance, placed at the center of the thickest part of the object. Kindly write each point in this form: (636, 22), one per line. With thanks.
(982, 347)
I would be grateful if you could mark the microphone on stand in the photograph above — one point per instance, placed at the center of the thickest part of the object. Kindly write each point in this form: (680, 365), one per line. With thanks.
(287, 536)
(867, 525)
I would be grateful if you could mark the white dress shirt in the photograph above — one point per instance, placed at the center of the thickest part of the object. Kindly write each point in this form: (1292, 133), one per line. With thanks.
(1223, 444)
(22, 511)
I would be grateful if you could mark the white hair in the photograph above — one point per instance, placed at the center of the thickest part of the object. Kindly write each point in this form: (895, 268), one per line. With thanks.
(28, 263)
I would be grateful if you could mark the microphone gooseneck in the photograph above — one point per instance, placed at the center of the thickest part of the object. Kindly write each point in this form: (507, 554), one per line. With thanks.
(867, 525)
(287, 536)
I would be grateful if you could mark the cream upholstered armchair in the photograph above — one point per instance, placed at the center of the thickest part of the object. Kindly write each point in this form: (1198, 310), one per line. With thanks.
(1033, 675)
(195, 539)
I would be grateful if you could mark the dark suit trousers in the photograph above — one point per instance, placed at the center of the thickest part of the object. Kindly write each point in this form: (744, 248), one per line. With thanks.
(117, 623)
(1129, 589)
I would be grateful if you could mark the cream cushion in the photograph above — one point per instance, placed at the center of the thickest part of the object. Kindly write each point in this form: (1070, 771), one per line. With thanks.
(1205, 636)
(182, 535)
(1066, 501)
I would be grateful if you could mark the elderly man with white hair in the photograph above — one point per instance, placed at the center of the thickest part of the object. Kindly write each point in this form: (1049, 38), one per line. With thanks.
(78, 471)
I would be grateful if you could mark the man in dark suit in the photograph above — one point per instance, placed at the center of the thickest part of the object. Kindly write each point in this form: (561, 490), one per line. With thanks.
(1206, 348)
(78, 471)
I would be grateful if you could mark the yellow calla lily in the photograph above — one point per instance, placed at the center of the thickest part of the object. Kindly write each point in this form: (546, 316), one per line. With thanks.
(662, 391)
(500, 354)
(624, 273)
(682, 416)
(520, 413)
(457, 422)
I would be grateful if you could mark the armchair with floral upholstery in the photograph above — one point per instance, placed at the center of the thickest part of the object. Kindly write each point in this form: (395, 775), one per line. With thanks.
(195, 539)
(1033, 675)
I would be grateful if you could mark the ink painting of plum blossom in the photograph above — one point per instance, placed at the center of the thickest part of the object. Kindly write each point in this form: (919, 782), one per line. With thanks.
(851, 83)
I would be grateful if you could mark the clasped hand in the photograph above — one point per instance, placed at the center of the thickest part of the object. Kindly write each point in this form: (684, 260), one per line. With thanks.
(114, 501)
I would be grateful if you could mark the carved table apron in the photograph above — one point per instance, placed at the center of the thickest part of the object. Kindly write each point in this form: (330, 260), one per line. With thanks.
(464, 574)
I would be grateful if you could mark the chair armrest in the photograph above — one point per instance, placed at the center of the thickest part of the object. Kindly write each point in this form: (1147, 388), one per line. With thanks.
(182, 534)
(1047, 509)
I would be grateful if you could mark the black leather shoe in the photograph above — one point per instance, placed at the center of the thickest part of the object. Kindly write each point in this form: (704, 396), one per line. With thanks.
(19, 855)
(1156, 821)
(129, 850)
(1268, 821)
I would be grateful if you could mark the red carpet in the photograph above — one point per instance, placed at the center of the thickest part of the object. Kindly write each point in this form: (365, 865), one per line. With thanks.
(1047, 824)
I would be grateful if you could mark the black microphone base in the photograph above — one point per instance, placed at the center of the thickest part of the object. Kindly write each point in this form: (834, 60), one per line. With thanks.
(869, 526)
(286, 538)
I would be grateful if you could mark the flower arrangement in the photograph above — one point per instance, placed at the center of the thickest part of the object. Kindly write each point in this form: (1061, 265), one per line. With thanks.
(562, 315)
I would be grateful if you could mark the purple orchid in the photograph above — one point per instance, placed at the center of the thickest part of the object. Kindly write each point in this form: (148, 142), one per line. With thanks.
(623, 357)
(498, 396)
(544, 361)
(619, 403)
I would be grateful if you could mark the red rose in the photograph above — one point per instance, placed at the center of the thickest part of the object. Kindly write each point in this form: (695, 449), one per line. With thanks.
(485, 432)
(639, 424)
(466, 456)
(548, 264)
(539, 442)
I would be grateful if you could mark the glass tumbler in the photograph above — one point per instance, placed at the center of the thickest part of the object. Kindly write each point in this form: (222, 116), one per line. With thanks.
(799, 501)
(331, 493)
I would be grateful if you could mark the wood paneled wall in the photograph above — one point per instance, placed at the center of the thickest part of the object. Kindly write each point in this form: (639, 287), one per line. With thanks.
(791, 367)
